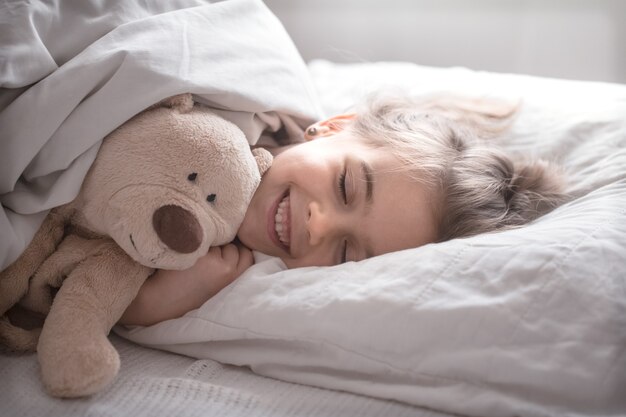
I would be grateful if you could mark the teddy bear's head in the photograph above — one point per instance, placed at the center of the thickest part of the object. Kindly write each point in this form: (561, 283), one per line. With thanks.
(171, 182)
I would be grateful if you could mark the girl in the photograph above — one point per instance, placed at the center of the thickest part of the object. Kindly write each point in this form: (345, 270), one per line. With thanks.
(396, 174)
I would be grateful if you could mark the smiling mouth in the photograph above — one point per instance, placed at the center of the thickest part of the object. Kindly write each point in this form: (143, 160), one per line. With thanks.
(280, 223)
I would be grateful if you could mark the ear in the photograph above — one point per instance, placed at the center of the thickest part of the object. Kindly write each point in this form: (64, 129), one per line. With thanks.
(183, 103)
(329, 126)
(263, 159)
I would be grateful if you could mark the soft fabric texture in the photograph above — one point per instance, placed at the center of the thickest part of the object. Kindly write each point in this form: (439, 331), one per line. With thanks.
(72, 71)
(526, 322)
(155, 383)
(166, 186)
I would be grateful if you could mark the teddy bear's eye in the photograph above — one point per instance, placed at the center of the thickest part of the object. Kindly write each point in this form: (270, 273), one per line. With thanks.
(192, 176)
(211, 198)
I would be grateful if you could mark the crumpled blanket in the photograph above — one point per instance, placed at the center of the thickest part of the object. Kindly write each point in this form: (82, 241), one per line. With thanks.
(71, 71)
(526, 322)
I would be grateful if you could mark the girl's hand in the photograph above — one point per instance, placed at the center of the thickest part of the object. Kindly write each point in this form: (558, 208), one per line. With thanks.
(219, 267)
(169, 294)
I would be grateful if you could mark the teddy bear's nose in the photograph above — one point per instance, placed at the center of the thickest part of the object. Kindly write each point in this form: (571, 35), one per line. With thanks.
(177, 228)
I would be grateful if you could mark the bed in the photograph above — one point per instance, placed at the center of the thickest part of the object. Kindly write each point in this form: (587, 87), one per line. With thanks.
(527, 322)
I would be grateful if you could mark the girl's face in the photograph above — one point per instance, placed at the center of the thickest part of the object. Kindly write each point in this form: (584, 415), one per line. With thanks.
(333, 200)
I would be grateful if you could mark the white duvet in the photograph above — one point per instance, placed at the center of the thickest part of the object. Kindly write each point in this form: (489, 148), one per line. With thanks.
(528, 322)
(71, 71)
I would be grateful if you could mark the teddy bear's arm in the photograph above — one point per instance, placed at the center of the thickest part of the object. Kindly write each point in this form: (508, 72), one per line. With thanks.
(15, 278)
(49, 276)
(75, 354)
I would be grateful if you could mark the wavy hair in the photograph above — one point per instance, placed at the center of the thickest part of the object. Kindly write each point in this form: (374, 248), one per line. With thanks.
(448, 144)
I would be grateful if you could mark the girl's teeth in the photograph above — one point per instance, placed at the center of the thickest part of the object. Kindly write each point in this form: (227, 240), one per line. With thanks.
(282, 221)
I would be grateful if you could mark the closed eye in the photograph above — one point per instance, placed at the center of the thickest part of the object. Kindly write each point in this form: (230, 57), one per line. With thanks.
(342, 186)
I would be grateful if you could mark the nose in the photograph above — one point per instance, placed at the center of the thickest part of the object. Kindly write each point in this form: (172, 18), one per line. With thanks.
(177, 228)
(322, 223)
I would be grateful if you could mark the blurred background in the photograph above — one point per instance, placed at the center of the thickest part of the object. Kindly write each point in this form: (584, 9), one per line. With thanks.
(572, 39)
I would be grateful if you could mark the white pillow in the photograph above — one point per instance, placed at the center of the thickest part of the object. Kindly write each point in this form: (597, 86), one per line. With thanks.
(525, 322)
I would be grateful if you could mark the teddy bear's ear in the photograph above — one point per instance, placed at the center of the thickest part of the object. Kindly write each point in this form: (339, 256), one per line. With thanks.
(263, 159)
(183, 103)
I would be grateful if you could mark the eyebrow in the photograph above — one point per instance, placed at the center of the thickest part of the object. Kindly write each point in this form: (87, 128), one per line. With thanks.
(367, 172)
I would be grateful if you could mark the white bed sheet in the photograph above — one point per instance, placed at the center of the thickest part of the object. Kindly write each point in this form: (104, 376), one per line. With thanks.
(154, 383)
(319, 313)
(529, 322)
(526, 322)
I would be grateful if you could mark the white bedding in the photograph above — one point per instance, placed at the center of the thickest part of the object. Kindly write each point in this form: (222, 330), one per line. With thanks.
(154, 383)
(530, 322)
(526, 322)
(102, 61)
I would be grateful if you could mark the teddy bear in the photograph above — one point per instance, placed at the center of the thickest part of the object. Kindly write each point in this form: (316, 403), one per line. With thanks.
(164, 187)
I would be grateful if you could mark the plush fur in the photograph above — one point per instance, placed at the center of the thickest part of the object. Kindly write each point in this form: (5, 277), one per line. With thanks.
(165, 186)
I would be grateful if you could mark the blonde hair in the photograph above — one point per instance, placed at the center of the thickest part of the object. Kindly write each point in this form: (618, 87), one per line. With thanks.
(443, 143)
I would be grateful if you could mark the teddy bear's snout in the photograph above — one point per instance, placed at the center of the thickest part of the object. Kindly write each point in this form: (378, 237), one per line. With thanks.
(177, 228)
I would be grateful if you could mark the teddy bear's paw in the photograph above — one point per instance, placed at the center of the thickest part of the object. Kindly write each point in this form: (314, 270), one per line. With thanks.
(79, 370)
(16, 339)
